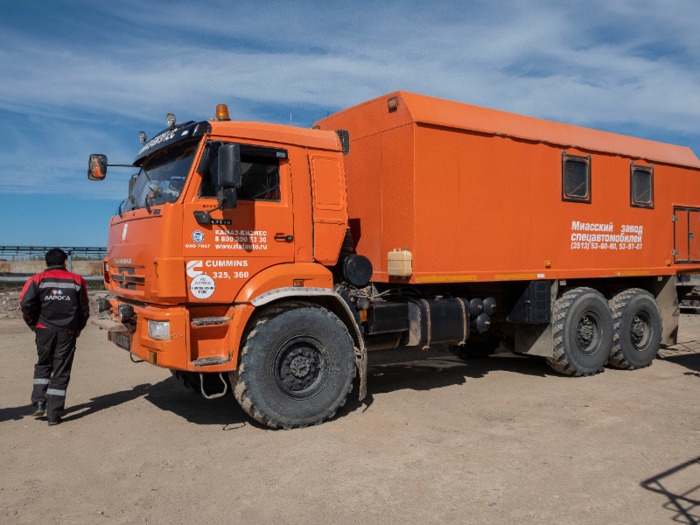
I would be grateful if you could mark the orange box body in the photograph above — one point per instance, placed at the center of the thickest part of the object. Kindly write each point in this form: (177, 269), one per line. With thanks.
(476, 195)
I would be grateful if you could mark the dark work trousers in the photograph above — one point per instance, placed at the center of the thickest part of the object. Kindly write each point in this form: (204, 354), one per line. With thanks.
(52, 371)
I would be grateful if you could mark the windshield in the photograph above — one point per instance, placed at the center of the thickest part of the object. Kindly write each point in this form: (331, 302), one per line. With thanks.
(162, 176)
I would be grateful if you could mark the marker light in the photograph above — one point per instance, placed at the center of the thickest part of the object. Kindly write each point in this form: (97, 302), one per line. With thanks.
(170, 120)
(142, 137)
(222, 112)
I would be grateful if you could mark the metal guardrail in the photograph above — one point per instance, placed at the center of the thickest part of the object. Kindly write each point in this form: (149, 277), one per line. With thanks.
(95, 252)
(87, 251)
(24, 279)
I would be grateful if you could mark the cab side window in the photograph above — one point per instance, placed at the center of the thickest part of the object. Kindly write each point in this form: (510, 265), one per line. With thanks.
(260, 168)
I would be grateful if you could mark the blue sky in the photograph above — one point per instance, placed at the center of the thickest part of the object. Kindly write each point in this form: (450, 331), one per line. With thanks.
(84, 77)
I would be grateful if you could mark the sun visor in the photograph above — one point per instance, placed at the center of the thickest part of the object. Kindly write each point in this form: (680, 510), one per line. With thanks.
(171, 136)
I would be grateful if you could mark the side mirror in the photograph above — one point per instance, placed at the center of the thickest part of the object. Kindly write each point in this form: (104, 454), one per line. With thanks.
(227, 198)
(230, 166)
(97, 167)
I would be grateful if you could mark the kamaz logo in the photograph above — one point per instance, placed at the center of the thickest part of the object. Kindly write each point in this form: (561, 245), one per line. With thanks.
(122, 261)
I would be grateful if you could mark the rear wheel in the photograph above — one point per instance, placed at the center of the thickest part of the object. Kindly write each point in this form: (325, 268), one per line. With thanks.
(582, 327)
(478, 346)
(638, 327)
(297, 366)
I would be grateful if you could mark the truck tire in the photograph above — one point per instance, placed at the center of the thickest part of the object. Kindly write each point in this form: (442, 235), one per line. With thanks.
(478, 346)
(296, 368)
(582, 328)
(638, 326)
(191, 382)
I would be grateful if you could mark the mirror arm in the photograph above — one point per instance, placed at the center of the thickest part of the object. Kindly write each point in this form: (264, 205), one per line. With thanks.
(204, 217)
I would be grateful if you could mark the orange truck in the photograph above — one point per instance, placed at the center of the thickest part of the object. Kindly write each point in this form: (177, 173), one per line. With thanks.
(270, 259)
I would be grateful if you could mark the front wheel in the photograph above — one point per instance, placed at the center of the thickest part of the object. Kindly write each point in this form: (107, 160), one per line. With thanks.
(296, 368)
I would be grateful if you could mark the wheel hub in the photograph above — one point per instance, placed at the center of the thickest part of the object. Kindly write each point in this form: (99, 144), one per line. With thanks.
(299, 367)
(587, 334)
(639, 331)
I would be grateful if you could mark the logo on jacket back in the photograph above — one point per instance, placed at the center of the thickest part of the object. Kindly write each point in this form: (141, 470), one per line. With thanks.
(56, 295)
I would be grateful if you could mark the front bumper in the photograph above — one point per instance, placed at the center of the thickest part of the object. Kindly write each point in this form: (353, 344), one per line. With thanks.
(196, 343)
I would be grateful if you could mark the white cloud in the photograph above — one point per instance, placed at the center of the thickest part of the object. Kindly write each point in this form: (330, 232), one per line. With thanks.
(592, 63)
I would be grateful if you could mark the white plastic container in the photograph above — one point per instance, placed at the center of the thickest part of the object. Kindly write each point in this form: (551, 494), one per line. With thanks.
(400, 263)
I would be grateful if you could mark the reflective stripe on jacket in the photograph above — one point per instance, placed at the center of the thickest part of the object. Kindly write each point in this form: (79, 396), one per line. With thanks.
(55, 299)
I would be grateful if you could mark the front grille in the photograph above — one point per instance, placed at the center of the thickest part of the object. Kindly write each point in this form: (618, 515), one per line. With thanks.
(126, 278)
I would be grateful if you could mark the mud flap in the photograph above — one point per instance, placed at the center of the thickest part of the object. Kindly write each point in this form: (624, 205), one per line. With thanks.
(361, 362)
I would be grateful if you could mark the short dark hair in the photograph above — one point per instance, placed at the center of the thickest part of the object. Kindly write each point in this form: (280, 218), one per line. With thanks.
(55, 257)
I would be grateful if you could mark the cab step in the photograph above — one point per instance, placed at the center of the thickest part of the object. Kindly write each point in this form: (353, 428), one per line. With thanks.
(207, 321)
(208, 361)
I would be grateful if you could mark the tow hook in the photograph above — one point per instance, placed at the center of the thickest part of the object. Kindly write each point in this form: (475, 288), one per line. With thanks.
(213, 396)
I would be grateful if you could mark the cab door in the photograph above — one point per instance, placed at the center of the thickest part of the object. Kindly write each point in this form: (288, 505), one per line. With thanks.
(221, 257)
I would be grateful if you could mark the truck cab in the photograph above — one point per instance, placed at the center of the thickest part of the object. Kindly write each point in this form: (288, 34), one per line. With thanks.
(182, 272)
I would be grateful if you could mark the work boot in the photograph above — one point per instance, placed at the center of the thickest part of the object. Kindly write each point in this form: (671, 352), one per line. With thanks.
(54, 421)
(39, 409)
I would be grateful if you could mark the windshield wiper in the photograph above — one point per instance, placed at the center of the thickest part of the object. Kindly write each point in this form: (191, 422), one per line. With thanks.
(134, 205)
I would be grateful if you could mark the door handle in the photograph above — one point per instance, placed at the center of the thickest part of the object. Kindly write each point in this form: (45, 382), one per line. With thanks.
(286, 238)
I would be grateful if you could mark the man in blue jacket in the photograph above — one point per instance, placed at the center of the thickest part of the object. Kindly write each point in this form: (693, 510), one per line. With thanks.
(55, 306)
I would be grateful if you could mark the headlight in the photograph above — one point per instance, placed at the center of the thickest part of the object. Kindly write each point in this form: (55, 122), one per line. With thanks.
(159, 330)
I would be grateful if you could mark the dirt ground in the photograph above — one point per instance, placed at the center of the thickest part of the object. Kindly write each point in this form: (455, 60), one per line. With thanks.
(503, 440)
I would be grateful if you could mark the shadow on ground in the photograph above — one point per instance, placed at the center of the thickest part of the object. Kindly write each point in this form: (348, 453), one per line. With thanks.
(389, 370)
(680, 485)
(192, 406)
(74, 412)
(14, 413)
(415, 369)
(689, 360)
